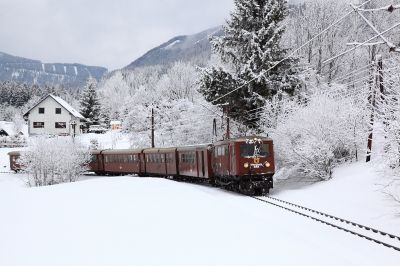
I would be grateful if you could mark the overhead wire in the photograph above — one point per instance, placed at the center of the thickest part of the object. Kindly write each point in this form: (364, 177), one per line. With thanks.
(292, 53)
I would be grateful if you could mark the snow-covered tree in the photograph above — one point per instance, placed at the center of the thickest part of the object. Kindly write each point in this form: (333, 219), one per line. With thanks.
(250, 49)
(90, 104)
(315, 137)
(52, 161)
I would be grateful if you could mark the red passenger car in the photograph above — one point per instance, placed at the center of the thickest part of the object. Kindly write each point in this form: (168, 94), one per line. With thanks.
(96, 163)
(122, 161)
(160, 162)
(195, 161)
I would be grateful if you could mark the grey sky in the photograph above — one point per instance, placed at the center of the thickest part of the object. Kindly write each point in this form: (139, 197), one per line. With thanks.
(109, 33)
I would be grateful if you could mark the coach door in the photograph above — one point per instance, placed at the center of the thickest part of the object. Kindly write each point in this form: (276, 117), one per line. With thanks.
(202, 164)
(232, 164)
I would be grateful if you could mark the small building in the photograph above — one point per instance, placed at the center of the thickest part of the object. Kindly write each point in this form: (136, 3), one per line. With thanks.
(54, 116)
(116, 125)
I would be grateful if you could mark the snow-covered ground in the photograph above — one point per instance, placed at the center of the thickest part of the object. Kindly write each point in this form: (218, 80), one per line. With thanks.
(151, 221)
(355, 192)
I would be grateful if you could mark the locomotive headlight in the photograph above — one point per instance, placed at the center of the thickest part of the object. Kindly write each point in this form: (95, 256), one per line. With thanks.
(267, 164)
(246, 165)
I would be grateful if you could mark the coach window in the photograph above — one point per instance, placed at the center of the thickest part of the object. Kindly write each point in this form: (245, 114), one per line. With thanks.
(58, 111)
(41, 110)
(93, 158)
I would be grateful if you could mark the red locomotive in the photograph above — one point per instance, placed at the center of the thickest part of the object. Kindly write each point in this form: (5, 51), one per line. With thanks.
(243, 164)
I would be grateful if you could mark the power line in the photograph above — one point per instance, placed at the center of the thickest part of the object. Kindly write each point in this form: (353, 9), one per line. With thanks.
(357, 46)
(292, 53)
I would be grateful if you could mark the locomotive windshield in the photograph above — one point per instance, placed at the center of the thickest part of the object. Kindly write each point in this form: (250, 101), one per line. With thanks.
(254, 150)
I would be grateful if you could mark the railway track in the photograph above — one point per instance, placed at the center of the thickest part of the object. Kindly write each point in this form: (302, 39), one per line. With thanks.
(362, 231)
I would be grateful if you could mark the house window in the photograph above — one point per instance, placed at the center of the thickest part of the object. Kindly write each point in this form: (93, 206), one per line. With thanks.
(38, 124)
(58, 111)
(41, 110)
(61, 125)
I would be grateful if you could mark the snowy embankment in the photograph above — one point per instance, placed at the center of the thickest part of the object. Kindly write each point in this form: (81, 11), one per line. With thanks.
(355, 192)
(151, 221)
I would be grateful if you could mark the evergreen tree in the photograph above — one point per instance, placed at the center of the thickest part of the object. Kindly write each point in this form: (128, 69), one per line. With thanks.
(249, 47)
(90, 104)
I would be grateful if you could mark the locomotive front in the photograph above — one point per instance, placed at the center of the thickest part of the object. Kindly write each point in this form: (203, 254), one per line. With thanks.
(255, 165)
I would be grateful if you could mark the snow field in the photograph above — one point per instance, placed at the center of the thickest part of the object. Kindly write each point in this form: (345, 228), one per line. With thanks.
(152, 221)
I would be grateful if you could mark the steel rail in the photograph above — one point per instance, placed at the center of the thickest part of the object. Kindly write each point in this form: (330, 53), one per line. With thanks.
(332, 224)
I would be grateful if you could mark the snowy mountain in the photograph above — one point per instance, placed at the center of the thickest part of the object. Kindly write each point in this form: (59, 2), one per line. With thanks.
(35, 72)
(195, 48)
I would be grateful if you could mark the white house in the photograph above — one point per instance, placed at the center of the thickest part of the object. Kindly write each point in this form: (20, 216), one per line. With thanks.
(54, 116)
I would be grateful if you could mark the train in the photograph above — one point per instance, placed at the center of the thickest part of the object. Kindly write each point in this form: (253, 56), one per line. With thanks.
(244, 164)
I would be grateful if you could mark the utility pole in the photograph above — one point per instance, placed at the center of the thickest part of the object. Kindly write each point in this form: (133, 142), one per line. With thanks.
(214, 132)
(228, 133)
(372, 102)
(152, 127)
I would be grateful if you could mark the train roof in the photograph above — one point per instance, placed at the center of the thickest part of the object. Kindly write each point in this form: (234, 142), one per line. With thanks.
(194, 147)
(243, 139)
(14, 153)
(162, 150)
(120, 151)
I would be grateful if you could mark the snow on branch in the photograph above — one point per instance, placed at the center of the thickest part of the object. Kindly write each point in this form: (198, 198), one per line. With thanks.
(365, 44)
(389, 8)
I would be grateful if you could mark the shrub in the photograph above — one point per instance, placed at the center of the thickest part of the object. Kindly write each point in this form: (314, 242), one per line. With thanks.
(53, 161)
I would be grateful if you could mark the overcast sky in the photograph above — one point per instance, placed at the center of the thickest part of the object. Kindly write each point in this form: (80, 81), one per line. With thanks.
(109, 33)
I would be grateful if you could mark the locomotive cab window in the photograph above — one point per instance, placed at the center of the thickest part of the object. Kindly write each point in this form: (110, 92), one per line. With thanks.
(251, 150)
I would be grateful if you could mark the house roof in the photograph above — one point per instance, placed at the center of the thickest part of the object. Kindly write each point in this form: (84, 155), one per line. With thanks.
(63, 103)
(9, 128)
